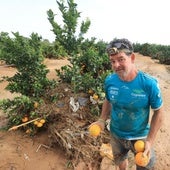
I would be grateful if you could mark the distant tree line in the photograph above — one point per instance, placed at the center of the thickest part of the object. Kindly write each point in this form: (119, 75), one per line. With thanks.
(160, 52)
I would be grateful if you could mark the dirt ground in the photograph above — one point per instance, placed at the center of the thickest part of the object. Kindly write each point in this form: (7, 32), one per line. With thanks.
(21, 152)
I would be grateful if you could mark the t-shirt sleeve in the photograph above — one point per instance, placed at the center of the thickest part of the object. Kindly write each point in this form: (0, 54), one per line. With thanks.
(155, 95)
(106, 82)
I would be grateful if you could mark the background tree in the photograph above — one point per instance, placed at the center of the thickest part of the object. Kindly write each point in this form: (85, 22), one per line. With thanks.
(30, 81)
(26, 55)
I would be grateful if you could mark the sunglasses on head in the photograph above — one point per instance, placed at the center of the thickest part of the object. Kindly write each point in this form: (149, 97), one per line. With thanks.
(118, 47)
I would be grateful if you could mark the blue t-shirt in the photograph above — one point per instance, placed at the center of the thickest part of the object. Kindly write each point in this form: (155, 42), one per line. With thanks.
(131, 102)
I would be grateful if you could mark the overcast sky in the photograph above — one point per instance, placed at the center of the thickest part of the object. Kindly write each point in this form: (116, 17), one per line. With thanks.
(138, 20)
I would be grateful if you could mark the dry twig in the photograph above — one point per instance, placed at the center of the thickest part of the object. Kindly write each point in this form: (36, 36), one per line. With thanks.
(23, 124)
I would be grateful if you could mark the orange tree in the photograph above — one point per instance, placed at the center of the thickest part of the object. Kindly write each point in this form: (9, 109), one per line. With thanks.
(68, 34)
(89, 62)
(29, 82)
(88, 69)
(87, 72)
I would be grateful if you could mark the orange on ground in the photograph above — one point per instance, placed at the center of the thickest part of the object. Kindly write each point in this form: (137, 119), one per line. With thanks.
(28, 131)
(35, 122)
(39, 124)
(141, 160)
(139, 146)
(42, 121)
(94, 130)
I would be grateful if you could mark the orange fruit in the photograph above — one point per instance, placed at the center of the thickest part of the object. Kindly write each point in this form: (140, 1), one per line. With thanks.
(95, 97)
(39, 124)
(14, 128)
(25, 119)
(28, 131)
(35, 122)
(139, 146)
(42, 121)
(141, 160)
(90, 91)
(36, 105)
(94, 130)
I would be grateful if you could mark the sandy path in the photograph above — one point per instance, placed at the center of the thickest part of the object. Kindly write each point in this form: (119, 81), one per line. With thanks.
(162, 144)
(18, 152)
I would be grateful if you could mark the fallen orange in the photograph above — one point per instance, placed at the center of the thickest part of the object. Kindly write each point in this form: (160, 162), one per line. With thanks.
(28, 131)
(42, 121)
(25, 119)
(35, 122)
(39, 124)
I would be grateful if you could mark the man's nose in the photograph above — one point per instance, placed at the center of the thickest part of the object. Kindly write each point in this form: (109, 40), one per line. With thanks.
(116, 64)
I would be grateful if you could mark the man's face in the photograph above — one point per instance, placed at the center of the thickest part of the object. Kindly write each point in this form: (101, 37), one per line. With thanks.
(122, 64)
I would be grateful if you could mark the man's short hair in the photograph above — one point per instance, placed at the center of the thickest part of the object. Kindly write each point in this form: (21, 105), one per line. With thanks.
(119, 45)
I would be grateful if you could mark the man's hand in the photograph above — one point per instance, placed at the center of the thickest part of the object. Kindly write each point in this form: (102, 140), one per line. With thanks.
(101, 123)
(147, 150)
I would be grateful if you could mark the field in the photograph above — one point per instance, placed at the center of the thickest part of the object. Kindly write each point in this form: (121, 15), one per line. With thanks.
(20, 152)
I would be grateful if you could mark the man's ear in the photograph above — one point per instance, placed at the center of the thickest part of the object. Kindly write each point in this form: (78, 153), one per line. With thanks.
(133, 57)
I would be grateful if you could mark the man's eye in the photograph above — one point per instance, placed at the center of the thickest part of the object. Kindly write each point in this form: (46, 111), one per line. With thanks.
(121, 59)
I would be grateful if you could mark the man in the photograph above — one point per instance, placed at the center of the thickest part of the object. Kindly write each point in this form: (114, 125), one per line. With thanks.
(130, 94)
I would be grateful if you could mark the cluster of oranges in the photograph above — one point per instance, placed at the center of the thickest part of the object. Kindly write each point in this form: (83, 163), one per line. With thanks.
(140, 158)
(39, 123)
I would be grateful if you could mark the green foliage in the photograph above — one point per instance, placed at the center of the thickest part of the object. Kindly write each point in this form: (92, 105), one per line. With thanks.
(52, 50)
(68, 35)
(30, 81)
(88, 69)
(164, 54)
(14, 112)
(160, 52)
(21, 110)
(25, 54)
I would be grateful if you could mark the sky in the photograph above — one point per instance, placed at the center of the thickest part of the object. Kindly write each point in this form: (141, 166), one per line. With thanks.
(140, 21)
